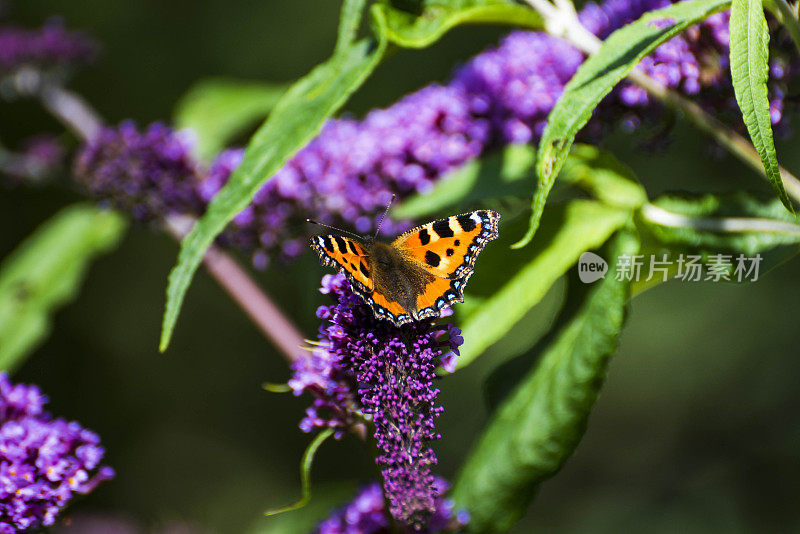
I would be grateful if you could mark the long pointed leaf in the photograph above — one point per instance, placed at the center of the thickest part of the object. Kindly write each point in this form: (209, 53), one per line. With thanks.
(596, 77)
(540, 424)
(749, 44)
(295, 120)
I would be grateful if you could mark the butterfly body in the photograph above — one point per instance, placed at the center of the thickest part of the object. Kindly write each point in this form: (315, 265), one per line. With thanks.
(420, 273)
(395, 277)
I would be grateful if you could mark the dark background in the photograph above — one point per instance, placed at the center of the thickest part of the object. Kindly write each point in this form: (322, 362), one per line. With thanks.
(697, 429)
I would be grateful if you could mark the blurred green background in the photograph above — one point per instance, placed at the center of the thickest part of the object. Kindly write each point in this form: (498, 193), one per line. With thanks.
(697, 429)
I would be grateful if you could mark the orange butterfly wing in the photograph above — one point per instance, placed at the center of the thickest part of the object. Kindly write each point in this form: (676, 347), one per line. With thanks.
(383, 308)
(346, 254)
(352, 259)
(447, 249)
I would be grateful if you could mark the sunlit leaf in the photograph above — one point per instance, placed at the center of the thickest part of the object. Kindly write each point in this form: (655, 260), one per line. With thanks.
(276, 388)
(422, 24)
(749, 43)
(542, 420)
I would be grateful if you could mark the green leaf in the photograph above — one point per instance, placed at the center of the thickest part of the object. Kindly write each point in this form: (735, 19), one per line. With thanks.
(218, 109)
(352, 11)
(604, 176)
(749, 44)
(540, 424)
(735, 223)
(504, 173)
(567, 232)
(293, 123)
(425, 24)
(305, 474)
(276, 388)
(46, 271)
(595, 78)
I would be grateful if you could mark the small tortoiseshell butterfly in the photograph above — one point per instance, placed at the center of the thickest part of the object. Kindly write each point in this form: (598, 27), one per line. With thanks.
(420, 272)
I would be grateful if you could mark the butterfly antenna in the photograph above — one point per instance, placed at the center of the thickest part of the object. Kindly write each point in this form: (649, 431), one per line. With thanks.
(380, 223)
(312, 221)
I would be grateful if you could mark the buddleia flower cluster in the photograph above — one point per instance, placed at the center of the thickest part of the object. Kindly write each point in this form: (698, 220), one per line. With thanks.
(48, 47)
(366, 514)
(149, 173)
(44, 462)
(348, 173)
(365, 369)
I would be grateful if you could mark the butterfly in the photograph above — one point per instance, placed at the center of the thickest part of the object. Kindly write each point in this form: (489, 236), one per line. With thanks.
(419, 273)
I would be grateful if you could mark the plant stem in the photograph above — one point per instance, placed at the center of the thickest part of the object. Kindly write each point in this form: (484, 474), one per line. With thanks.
(72, 110)
(247, 294)
(722, 225)
(733, 142)
(563, 23)
(81, 118)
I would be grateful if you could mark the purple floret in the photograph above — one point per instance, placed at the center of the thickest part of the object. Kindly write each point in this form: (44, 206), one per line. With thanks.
(44, 462)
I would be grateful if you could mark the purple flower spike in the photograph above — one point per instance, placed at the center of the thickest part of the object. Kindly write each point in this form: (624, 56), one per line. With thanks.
(364, 369)
(151, 174)
(44, 462)
(366, 514)
(45, 47)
